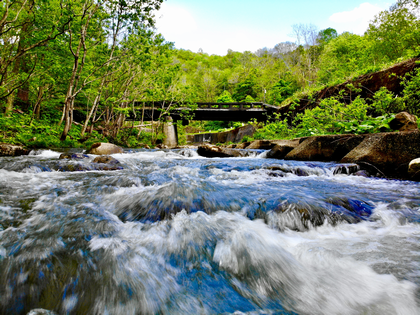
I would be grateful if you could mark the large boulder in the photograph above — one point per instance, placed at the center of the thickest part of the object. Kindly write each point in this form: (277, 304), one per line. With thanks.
(208, 150)
(7, 149)
(404, 122)
(389, 152)
(261, 144)
(101, 148)
(282, 148)
(324, 148)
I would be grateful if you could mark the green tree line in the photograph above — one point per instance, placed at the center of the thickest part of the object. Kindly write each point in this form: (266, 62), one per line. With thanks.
(99, 57)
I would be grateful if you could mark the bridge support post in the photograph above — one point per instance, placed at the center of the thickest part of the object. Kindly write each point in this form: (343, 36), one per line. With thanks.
(171, 133)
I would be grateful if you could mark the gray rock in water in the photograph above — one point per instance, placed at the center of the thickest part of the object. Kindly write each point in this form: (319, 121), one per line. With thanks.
(106, 163)
(106, 159)
(186, 152)
(346, 169)
(298, 171)
(362, 173)
(210, 151)
(73, 156)
(7, 149)
(102, 148)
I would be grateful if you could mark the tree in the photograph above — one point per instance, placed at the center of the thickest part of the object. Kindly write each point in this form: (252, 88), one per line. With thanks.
(325, 36)
(305, 34)
(25, 26)
(118, 16)
(246, 88)
(343, 56)
(396, 31)
(281, 91)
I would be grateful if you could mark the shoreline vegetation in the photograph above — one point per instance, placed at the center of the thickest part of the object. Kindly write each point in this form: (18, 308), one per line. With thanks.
(69, 76)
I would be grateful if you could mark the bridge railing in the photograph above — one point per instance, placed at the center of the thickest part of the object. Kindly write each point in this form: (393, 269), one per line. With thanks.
(210, 105)
(239, 106)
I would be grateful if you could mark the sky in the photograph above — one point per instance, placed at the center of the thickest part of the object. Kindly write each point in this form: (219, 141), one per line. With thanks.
(215, 26)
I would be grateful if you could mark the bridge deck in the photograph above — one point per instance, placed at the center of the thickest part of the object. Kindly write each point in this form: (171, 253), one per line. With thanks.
(211, 111)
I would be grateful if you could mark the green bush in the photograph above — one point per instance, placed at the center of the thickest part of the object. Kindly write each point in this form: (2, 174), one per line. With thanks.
(411, 93)
(384, 102)
(275, 130)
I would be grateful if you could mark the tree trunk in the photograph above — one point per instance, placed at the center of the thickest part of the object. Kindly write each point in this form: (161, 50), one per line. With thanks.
(76, 71)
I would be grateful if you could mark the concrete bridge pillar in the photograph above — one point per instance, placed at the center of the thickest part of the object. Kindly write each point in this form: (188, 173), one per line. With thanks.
(171, 133)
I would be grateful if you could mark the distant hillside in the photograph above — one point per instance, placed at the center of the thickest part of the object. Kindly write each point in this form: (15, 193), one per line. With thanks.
(369, 83)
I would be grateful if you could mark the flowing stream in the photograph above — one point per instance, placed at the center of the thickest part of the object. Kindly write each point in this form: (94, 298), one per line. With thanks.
(174, 233)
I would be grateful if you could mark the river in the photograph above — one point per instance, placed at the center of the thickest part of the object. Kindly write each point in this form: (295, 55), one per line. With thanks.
(175, 233)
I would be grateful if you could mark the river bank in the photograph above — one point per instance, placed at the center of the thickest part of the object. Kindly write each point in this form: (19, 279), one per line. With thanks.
(386, 155)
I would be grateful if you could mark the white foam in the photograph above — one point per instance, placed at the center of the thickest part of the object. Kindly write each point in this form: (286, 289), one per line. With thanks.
(45, 153)
(284, 267)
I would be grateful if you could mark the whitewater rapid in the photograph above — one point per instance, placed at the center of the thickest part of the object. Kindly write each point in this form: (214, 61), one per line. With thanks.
(175, 233)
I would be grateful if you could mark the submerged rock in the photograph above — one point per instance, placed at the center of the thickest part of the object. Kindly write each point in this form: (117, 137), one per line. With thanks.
(279, 171)
(362, 173)
(297, 171)
(105, 159)
(186, 152)
(301, 216)
(101, 148)
(73, 156)
(7, 149)
(106, 163)
(79, 167)
(346, 169)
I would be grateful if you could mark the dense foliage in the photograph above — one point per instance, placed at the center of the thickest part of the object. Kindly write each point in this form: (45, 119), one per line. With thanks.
(71, 71)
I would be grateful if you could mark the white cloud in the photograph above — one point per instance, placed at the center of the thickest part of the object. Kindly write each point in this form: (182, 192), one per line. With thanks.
(356, 20)
(173, 21)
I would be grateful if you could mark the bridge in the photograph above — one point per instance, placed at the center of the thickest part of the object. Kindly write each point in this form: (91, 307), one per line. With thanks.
(204, 111)
(172, 111)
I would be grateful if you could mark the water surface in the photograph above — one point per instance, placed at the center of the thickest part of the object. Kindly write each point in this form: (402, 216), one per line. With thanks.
(174, 233)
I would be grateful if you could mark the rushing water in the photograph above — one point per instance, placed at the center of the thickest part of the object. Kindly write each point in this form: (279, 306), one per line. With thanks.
(173, 233)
